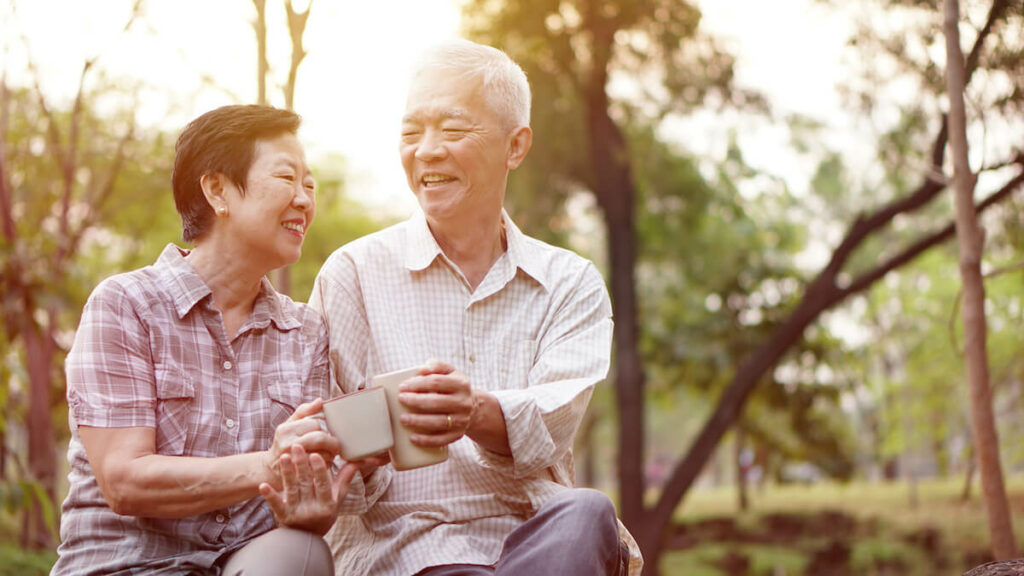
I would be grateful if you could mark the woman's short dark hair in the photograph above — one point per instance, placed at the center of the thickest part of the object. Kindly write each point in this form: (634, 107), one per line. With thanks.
(220, 141)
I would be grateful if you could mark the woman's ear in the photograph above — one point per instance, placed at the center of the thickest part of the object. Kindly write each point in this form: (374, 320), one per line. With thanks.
(519, 145)
(214, 186)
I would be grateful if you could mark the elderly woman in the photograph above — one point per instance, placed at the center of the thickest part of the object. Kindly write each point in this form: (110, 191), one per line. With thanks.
(189, 380)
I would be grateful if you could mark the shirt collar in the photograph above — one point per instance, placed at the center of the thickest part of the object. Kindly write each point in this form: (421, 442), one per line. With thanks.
(187, 290)
(522, 251)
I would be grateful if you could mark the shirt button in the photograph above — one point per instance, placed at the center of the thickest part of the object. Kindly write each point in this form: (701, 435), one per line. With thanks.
(472, 357)
(227, 364)
(229, 423)
(220, 518)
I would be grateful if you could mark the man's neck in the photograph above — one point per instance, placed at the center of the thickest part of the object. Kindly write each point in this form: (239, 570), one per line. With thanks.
(473, 246)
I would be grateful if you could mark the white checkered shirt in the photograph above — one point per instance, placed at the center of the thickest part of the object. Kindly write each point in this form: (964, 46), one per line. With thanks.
(536, 333)
(151, 351)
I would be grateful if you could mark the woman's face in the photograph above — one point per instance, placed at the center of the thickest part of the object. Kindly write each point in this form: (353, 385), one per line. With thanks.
(278, 205)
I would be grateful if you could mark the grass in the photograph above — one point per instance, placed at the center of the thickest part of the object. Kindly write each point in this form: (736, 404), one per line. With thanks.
(885, 541)
(891, 536)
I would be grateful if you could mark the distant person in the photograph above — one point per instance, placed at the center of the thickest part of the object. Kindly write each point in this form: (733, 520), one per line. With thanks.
(521, 330)
(189, 379)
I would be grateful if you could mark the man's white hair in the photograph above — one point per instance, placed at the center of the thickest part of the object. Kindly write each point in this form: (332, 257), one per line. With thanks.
(504, 83)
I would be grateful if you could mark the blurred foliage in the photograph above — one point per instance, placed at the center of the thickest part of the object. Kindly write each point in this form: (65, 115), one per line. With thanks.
(715, 271)
(124, 224)
(339, 220)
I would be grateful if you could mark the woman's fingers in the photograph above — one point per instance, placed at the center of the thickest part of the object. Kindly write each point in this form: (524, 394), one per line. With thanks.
(321, 479)
(275, 500)
(342, 480)
(306, 409)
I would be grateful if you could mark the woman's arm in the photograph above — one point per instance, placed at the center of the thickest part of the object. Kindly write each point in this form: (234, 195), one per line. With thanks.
(136, 481)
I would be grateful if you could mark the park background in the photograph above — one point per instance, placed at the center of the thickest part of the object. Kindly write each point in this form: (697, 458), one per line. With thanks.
(765, 185)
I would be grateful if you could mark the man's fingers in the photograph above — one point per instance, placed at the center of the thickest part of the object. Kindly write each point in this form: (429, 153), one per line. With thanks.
(435, 366)
(436, 383)
(435, 440)
(435, 423)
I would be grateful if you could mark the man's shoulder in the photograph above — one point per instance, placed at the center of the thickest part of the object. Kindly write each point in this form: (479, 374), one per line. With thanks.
(309, 318)
(556, 263)
(376, 245)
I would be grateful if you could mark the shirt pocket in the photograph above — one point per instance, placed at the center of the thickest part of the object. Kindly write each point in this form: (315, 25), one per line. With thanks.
(175, 410)
(514, 364)
(285, 389)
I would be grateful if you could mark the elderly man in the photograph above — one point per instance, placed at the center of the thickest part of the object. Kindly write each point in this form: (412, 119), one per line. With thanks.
(520, 331)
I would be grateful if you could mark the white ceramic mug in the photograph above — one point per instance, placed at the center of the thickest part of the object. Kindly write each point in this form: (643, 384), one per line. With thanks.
(361, 423)
(404, 454)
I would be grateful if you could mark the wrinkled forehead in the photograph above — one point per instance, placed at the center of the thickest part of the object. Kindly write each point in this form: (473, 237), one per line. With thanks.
(440, 86)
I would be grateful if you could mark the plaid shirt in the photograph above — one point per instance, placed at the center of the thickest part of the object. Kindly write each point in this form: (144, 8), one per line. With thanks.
(536, 333)
(151, 351)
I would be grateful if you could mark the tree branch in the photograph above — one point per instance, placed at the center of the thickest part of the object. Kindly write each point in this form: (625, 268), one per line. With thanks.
(98, 203)
(296, 28)
(863, 226)
(914, 250)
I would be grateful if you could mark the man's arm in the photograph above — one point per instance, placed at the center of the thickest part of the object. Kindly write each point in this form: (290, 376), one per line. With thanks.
(527, 427)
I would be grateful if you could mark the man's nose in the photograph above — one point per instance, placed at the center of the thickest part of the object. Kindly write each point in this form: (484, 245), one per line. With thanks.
(431, 146)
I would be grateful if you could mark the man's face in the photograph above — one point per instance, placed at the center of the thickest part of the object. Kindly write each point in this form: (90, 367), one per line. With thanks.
(454, 148)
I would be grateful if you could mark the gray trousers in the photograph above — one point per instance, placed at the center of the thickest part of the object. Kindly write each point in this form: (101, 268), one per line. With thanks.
(282, 551)
(573, 534)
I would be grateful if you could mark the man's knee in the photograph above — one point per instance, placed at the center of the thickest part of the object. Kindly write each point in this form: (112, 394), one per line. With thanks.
(584, 501)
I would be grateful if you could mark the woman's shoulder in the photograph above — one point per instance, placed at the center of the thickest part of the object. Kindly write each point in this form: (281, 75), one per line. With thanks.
(139, 285)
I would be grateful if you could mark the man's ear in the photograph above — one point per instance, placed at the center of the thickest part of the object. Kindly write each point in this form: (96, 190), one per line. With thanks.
(214, 186)
(519, 145)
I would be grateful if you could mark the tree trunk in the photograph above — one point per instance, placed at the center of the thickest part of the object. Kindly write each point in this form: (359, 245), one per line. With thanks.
(42, 461)
(971, 241)
(261, 51)
(743, 499)
(587, 475)
(614, 190)
(296, 28)
(965, 493)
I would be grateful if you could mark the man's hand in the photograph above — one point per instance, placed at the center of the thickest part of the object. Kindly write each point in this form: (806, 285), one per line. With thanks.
(310, 499)
(299, 430)
(441, 404)
(445, 407)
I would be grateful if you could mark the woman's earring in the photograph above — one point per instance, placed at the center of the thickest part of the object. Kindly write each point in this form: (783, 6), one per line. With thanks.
(222, 210)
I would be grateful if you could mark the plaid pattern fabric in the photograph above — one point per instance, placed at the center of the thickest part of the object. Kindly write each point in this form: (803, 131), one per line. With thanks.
(151, 351)
(536, 333)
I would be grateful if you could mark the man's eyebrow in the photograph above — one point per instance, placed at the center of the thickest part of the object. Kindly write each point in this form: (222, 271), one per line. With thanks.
(450, 114)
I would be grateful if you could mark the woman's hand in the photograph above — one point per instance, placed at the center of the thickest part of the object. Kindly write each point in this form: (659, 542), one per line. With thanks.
(300, 430)
(309, 500)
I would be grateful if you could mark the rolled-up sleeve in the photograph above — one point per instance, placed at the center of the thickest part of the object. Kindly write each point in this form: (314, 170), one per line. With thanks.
(110, 375)
(572, 355)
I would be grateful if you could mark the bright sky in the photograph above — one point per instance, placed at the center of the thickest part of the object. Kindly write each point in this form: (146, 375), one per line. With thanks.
(351, 87)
